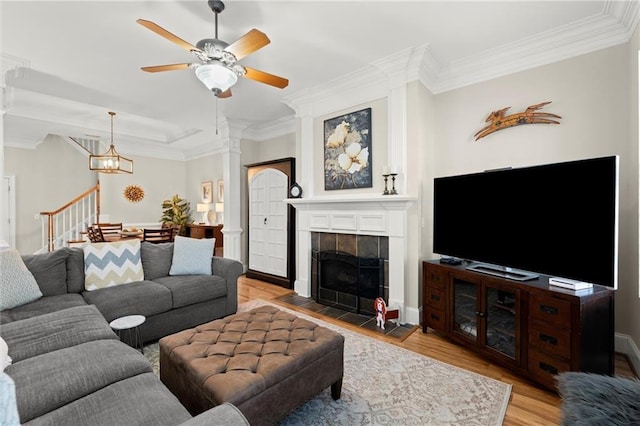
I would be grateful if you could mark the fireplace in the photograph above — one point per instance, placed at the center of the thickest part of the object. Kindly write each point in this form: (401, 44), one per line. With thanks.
(349, 271)
(364, 225)
(349, 282)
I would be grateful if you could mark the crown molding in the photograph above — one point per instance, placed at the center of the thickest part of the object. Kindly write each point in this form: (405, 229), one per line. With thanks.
(13, 64)
(265, 131)
(614, 26)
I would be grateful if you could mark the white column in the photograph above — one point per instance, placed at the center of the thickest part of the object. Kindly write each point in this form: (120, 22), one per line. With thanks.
(397, 264)
(231, 174)
(397, 125)
(304, 167)
(302, 284)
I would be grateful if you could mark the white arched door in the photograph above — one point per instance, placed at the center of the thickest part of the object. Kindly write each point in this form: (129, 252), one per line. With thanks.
(268, 225)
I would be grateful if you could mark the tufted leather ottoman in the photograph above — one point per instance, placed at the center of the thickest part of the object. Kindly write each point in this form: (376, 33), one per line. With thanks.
(265, 361)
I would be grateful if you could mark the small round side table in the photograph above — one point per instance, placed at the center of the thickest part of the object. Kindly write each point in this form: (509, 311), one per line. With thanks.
(129, 326)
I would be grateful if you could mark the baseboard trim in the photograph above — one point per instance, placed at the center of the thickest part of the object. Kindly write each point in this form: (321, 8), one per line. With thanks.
(624, 344)
(412, 315)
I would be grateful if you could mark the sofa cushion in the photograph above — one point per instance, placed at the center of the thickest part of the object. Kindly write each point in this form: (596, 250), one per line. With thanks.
(78, 371)
(17, 284)
(139, 400)
(111, 264)
(49, 270)
(156, 259)
(189, 289)
(140, 298)
(75, 270)
(50, 332)
(44, 305)
(192, 256)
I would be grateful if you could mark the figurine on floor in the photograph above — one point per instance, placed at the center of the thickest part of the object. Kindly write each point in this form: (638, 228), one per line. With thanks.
(381, 311)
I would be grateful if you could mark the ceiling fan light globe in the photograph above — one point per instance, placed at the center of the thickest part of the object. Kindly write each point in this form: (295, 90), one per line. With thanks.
(216, 77)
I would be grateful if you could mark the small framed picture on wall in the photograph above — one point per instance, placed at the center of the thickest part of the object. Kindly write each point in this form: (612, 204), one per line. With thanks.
(220, 191)
(206, 192)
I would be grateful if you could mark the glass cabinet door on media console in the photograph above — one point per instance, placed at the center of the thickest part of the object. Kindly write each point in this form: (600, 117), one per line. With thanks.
(486, 313)
(501, 313)
(465, 308)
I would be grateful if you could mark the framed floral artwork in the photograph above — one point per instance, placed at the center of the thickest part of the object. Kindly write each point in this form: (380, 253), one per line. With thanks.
(206, 192)
(347, 151)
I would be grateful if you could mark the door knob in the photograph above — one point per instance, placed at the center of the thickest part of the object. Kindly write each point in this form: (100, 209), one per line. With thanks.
(265, 220)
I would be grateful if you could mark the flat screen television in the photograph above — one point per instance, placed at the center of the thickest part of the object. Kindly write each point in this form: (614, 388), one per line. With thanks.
(556, 219)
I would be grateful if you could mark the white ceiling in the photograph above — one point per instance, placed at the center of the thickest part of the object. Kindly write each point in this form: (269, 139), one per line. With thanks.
(71, 62)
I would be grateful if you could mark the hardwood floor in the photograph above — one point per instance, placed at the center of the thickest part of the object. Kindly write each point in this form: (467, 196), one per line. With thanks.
(529, 404)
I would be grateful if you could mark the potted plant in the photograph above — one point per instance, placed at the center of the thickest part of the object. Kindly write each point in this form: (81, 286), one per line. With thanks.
(176, 214)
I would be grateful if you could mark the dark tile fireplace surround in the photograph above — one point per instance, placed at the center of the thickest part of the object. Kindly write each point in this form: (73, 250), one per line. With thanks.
(345, 257)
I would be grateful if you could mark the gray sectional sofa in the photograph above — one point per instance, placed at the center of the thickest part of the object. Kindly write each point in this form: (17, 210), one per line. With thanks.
(169, 303)
(69, 367)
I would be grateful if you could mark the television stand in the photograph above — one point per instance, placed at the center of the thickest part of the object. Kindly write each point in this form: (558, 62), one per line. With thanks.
(532, 328)
(502, 271)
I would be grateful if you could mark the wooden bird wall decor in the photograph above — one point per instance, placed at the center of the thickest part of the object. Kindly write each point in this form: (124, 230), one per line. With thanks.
(499, 121)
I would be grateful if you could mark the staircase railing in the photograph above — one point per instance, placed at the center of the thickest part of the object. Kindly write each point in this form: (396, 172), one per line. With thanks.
(69, 222)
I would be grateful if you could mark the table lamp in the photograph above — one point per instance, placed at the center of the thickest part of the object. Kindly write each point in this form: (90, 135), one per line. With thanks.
(204, 209)
(220, 212)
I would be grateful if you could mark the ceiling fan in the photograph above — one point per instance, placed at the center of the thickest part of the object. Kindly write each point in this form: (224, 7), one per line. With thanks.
(219, 68)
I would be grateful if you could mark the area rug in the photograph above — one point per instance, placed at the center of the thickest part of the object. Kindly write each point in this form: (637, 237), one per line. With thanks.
(388, 385)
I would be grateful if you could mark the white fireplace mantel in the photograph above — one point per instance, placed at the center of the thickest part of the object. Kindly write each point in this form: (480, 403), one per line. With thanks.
(359, 214)
(357, 201)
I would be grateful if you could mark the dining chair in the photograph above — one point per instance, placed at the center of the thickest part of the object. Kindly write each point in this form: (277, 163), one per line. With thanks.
(94, 234)
(176, 228)
(155, 236)
(110, 228)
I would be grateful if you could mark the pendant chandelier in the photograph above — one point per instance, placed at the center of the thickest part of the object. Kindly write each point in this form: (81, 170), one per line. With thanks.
(110, 161)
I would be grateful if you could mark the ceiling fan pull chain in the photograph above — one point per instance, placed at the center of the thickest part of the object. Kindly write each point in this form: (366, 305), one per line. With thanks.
(216, 112)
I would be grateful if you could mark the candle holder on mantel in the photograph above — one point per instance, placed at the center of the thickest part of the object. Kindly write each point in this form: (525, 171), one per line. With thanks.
(386, 180)
(393, 184)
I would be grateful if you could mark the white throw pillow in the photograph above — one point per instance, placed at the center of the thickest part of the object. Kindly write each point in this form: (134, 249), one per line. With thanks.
(111, 264)
(17, 284)
(192, 256)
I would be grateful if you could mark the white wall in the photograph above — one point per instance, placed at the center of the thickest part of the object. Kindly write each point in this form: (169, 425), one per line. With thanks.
(46, 178)
(591, 94)
(205, 169)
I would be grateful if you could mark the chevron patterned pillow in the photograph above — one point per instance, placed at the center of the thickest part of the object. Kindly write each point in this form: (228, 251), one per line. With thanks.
(110, 264)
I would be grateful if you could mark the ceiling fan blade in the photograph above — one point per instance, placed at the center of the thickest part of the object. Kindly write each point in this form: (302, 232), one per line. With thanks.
(171, 67)
(248, 43)
(225, 94)
(266, 78)
(166, 34)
